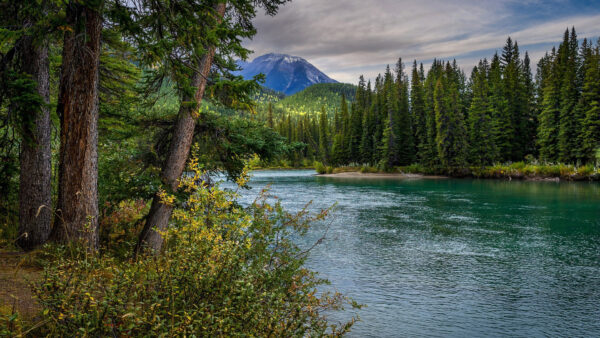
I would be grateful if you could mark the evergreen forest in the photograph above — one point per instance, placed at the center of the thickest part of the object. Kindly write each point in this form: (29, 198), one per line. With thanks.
(508, 110)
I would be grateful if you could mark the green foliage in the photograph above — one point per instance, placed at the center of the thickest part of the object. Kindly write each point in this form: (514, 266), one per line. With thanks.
(312, 99)
(324, 136)
(320, 168)
(481, 128)
(120, 226)
(451, 138)
(226, 270)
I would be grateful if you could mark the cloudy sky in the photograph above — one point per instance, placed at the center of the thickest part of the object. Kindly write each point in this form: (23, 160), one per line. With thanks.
(347, 38)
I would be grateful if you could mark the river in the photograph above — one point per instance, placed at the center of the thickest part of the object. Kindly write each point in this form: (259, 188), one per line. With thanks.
(455, 257)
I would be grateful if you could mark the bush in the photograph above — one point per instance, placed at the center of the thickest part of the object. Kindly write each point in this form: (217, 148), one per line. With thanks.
(329, 169)
(225, 270)
(320, 168)
(413, 169)
(120, 227)
(255, 162)
(586, 170)
(368, 170)
(566, 170)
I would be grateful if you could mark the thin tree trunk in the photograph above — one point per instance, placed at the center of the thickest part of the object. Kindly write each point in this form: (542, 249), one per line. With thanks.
(160, 213)
(77, 207)
(35, 193)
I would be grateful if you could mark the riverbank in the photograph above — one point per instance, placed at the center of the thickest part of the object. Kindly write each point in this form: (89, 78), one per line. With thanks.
(358, 174)
(515, 171)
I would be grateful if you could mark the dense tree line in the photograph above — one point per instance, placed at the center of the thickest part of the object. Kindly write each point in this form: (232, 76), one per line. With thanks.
(93, 69)
(442, 119)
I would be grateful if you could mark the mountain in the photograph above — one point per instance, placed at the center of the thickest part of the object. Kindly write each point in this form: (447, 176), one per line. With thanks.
(284, 73)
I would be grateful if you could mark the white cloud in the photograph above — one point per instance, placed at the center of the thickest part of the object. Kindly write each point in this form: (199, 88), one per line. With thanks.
(346, 38)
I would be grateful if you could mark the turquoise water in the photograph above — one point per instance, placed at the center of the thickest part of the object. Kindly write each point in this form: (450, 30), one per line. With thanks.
(455, 257)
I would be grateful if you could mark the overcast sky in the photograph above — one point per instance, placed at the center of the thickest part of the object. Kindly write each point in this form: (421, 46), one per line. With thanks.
(347, 38)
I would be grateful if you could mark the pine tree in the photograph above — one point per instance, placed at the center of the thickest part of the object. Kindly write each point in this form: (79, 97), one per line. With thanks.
(379, 118)
(451, 139)
(589, 104)
(345, 133)
(288, 129)
(368, 129)
(389, 142)
(270, 122)
(25, 118)
(324, 137)
(500, 113)
(417, 108)
(549, 83)
(529, 109)
(404, 132)
(482, 143)
(77, 204)
(514, 93)
(569, 95)
(355, 133)
(198, 35)
(366, 142)
(430, 152)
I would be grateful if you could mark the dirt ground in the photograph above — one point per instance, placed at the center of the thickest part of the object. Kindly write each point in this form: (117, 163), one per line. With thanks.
(15, 291)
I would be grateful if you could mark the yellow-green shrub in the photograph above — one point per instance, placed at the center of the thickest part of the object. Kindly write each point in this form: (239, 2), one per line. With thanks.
(320, 168)
(226, 270)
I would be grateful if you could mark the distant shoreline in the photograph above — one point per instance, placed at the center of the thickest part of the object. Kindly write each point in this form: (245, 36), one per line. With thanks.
(517, 172)
(409, 176)
(357, 174)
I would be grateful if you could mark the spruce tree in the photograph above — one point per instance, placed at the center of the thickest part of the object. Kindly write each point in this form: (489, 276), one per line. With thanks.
(345, 133)
(324, 137)
(514, 93)
(389, 142)
(568, 125)
(550, 108)
(77, 205)
(451, 139)
(589, 104)
(501, 116)
(529, 109)
(430, 152)
(417, 108)
(482, 143)
(355, 133)
(270, 122)
(404, 132)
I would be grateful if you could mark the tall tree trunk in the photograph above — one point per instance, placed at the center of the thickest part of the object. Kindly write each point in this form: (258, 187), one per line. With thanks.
(77, 207)
(35, 193)
(160, 213)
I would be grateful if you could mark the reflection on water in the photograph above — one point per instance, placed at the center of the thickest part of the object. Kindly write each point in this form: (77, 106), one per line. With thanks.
(456, 257)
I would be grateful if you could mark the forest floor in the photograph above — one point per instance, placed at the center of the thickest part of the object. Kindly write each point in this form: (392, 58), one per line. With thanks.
(16, 276)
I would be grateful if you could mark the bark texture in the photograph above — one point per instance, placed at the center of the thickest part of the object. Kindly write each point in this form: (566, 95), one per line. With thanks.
(35, 190)
(77, 206)
(159, 215)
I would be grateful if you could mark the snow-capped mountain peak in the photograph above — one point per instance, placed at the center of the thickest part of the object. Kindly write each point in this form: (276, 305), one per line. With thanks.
(284, 73)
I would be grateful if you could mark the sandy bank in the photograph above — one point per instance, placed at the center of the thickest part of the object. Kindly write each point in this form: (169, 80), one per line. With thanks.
(356, 174)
